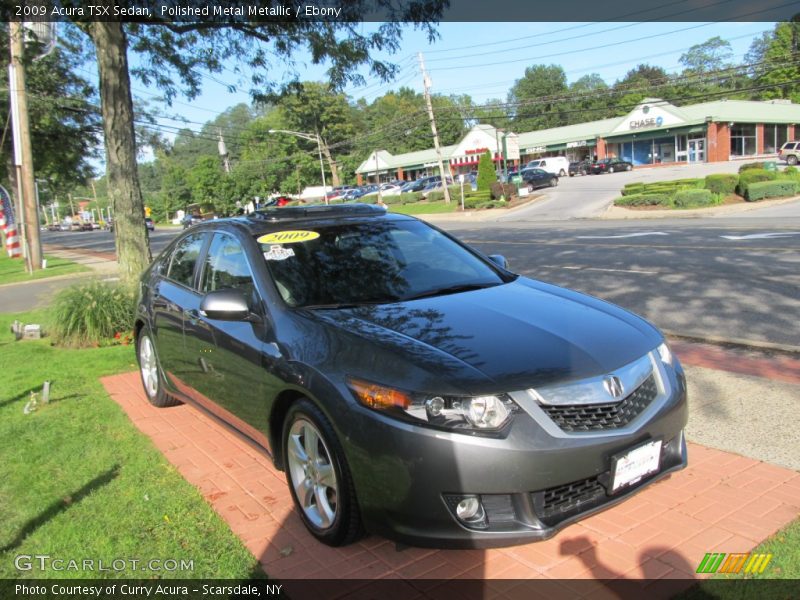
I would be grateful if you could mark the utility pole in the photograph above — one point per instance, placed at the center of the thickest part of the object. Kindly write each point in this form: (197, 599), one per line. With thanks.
(23, 154)
(223, 152)
(427, 83)
(377, 179)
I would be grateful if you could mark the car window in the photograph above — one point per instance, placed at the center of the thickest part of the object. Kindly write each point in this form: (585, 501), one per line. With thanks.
(184, 259)
(789, 146)
(376, 262)
(226, 267)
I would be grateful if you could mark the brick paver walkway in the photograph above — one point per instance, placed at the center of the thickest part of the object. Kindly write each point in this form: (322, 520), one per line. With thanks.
(723, 502)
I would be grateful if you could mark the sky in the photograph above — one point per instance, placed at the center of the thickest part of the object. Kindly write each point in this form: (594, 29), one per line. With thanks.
(485, 59)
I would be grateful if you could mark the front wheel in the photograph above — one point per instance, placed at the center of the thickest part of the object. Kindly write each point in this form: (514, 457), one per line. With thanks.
(318, 476)
(530, 187)
(610, 169)
(553, 181)
(561, 173)
(628, 167)
(791, 160)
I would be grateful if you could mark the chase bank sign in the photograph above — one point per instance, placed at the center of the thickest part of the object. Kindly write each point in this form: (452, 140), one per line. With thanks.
(646, 122)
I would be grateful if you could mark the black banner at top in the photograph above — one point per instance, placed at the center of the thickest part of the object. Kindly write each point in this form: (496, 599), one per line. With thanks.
(224, 12)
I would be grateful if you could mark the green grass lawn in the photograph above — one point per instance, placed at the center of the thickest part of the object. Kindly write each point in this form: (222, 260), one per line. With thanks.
(78, 480)
(13, 270)
(425, 208)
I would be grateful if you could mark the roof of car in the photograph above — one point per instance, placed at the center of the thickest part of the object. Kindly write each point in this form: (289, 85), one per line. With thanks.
(270, 219)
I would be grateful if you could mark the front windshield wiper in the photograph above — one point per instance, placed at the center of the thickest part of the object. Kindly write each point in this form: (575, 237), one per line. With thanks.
(338, 305)
(452, 289)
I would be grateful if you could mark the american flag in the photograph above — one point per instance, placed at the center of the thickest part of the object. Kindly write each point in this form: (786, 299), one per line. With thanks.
(8, 224)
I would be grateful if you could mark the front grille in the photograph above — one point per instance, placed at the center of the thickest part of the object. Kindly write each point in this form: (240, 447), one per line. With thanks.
(598, 417)
(567, 499)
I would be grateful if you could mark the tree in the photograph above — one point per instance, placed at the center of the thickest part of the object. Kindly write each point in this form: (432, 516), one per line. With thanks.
(486, 173)
(644, 81)
(174, 52)
(781, 70)
(591, 100)
(712, 55)
(316, 109)
(537, 98)
(63, 130)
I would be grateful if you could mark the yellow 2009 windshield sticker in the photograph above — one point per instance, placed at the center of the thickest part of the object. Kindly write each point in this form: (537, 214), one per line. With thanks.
(288, 237)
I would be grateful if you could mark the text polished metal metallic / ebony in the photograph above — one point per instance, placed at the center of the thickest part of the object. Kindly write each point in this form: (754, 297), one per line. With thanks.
(408, 385)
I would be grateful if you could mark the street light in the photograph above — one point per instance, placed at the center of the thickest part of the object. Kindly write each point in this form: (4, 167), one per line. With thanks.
(314, 138)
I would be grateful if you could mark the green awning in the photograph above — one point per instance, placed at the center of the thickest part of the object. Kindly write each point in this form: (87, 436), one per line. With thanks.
(657, 133)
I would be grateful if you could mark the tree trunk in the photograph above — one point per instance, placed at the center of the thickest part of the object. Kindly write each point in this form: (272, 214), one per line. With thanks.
(133, 244)
(334, 168)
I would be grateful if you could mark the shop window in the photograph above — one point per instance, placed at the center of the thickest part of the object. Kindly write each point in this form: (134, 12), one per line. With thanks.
(775, 136)
(743, 139)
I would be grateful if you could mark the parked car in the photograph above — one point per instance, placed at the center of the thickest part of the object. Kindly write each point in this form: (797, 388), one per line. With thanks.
(149, 225)
(610, 165)
(558, 165)
(537, 178)
(391, 189)
(790, 152)
(579, 167)
(365, 352)
(192, 219)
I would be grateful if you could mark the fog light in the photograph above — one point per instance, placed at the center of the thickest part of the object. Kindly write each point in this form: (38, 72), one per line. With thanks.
(470, 509)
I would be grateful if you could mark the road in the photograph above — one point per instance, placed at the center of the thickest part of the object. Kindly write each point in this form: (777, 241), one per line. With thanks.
(737, 279)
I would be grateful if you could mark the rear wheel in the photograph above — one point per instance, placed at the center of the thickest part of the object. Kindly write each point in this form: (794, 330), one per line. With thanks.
(530, 187)
(628, 167)
(561, 173)
(151, 377)
(553, 181)
(610, 169)
(318, 476)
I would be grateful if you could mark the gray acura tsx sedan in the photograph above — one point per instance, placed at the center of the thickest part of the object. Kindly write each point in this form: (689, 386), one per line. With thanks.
(408, 385)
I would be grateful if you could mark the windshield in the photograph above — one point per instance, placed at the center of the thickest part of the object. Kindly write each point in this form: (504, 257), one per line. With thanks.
(370, 263)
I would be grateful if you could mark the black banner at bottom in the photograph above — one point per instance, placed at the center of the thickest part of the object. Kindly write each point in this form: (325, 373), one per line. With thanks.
(395, 589)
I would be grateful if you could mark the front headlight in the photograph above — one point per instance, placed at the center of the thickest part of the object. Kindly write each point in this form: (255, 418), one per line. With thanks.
(665, 354)
(466, 413)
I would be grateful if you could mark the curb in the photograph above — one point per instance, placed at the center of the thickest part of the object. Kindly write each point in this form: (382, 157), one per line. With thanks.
(753, 345)
(478, 215)
(81, 275)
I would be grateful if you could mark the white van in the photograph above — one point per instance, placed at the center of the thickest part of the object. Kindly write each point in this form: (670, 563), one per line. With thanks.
(558, 165)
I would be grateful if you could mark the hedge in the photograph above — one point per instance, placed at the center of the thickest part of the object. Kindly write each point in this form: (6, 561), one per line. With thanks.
(752, 165)
(753, 176)
(409, 198)
(437, 195)
(770, 189)
(645, 200)
(475, 198)
(721, 183)
(696, 198)
(504, 190)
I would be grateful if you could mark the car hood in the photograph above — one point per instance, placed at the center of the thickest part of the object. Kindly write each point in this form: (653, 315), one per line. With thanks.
(512, 336)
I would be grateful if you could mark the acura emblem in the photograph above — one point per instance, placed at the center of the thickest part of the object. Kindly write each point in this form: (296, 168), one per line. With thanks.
(613, 386)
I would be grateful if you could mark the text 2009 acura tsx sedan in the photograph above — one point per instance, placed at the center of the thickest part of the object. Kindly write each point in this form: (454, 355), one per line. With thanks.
(408, 385)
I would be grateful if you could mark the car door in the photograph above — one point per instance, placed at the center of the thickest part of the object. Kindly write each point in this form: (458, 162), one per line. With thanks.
(231, 377)
(173, 294)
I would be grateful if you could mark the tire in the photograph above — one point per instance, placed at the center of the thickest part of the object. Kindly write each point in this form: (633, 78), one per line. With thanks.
(571, 174)
(530, 188)
(584, 172)
(610, 169)
(553, 181)
(336, 525)
(628, 167)
(150, 372)
(561, 173)
(791, 160)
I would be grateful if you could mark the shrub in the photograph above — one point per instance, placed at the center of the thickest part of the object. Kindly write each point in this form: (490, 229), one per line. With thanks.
(90, 313)
(721, 183)
(408, 198)
(438, 195)
(486, 174)
(695, 198)
(752, 165)
(770, 189)
(395, 199)
(503, 190)
(753, 176)
(472, 200)
(645, 200)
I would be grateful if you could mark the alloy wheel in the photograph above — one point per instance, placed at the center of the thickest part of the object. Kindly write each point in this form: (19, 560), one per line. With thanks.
(148, 366)
(312, 473)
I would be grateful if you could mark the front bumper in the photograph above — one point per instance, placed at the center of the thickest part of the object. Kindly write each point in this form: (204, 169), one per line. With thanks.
(532, 483)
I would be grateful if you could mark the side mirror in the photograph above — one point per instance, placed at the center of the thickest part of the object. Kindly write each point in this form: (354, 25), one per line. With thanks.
(499, 260)
(225, 305)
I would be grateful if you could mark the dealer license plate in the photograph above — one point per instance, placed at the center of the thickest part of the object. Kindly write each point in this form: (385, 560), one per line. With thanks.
(634, 465)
